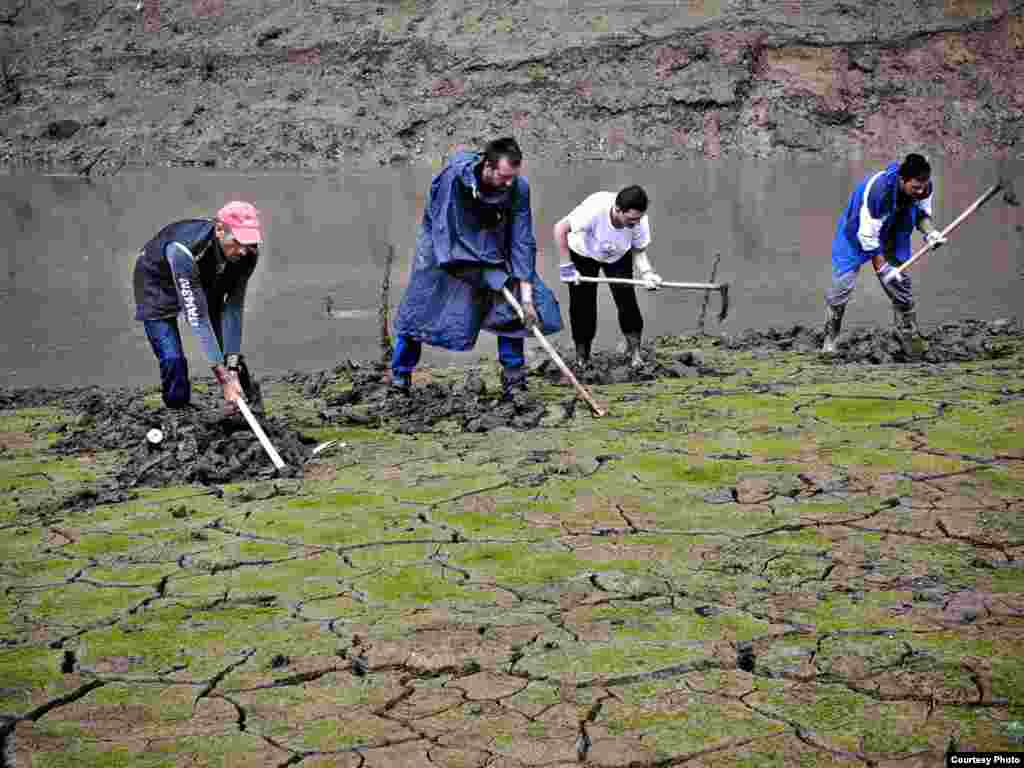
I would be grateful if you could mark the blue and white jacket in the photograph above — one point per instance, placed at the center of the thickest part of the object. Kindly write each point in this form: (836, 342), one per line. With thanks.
(877, 219)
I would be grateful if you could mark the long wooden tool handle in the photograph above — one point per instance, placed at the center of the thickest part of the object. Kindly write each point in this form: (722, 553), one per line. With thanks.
(956, 223)
(260, 434)
(627, 281)
(598, 411)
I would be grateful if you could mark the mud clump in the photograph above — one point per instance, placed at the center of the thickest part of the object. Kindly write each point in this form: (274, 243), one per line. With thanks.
(614, 368)
(36, 397)
(196, 448)
(372, 402)
(950, 342)
(198, 444)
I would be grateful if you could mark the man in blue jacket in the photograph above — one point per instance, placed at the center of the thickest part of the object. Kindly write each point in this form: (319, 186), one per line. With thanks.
(876, 226)
(476, 237)
(200, 267)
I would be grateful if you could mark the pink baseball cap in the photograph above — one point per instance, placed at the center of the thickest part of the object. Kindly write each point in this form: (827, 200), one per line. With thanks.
(243, 220)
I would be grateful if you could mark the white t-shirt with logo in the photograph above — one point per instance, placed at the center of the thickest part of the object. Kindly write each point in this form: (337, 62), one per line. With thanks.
(592, 234)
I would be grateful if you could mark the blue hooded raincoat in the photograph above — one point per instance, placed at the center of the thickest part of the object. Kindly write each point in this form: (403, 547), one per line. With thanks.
(468, 246)
(874, 223)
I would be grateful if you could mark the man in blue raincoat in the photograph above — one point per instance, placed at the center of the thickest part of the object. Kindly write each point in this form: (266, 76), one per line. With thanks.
(476, 237)
(876, 226)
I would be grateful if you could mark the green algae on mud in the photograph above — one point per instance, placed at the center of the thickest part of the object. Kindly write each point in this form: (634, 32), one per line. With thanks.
(804, 554)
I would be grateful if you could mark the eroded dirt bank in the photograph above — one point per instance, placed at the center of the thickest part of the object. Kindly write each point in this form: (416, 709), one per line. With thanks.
(267, 84)
(768, 558)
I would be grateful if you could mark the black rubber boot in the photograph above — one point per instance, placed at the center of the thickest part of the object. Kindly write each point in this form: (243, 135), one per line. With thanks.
(250, 386)
(513, 381)
(913, 344)
(583, 356)
(633, 341)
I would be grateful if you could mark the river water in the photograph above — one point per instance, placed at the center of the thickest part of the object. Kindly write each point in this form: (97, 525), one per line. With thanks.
(69, 245)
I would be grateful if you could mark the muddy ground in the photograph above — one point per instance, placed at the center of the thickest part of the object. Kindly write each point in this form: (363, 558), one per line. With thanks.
(100, 83)
(777, 558)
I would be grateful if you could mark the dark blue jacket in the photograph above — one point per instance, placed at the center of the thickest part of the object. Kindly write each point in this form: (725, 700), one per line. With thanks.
(206, 285)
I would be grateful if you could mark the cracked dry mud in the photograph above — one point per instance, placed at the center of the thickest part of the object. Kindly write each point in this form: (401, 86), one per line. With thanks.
(784, 562)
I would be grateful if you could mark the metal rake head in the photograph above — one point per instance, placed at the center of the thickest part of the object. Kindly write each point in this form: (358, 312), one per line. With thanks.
(724, 290)
(1009, 194)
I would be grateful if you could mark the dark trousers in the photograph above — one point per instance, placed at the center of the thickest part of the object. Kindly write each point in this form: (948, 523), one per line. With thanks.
(165, 339)
(900, 293)
(406, 356)
(583, 298)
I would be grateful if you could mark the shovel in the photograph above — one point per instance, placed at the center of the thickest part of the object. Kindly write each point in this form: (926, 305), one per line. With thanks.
(569, 274)
(598, 411)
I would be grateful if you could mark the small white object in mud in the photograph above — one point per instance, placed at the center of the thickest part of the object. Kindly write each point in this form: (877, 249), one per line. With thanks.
(155, 436)
(329, 444)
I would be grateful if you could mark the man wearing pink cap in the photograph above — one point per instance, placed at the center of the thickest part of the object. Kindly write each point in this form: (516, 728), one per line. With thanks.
(200, 267)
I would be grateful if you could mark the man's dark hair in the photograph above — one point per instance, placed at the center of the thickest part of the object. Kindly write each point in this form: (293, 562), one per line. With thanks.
(632, 198)
(915, 167)
(504, 147)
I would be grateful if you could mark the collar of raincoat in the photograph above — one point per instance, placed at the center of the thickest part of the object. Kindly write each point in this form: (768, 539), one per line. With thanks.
(464, 164)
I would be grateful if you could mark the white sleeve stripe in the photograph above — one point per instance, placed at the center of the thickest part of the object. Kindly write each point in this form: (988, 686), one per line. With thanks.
(926, 204)
(182, 247)
(869, 227)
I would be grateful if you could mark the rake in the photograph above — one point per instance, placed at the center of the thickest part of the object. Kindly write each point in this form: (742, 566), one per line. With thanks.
(583, 391)
(569, 274)
(956, 222)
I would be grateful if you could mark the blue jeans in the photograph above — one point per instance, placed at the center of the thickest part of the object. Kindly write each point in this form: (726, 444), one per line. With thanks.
(511, 354)
(165, 339)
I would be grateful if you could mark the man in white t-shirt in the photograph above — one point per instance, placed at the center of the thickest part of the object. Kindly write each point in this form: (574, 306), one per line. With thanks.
(610, 232)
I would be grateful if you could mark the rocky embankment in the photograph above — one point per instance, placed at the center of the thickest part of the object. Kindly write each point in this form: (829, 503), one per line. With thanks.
(98, 83)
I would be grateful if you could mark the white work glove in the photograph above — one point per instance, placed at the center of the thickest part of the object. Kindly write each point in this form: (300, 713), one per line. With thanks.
(644, 270)
(935, 239)
(887, 272)
(568, 273)
(652, 280)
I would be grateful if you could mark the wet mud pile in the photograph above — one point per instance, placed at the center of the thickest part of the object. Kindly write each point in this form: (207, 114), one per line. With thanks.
(207, 451)
(948, 343)
(197, 444)
(614, 367)
(471, 404)
(37, 397)
(476, 407)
